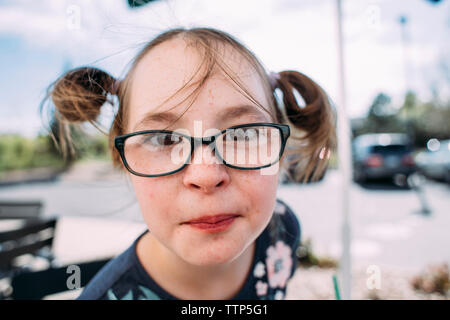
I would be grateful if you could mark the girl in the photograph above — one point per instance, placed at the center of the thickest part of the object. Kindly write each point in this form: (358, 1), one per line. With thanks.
(200, 133)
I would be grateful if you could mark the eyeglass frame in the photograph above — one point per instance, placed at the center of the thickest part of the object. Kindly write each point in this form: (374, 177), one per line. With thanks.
(119, 143)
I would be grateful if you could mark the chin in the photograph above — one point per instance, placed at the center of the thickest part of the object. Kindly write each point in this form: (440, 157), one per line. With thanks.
(214, 258)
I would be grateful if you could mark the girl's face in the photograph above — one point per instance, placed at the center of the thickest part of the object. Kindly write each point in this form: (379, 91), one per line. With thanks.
(202, 188)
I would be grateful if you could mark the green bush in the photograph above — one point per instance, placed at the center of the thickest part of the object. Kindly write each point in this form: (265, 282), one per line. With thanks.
(95, 147)
(435, 279)
(307, 259)
(20, 153)
(16, 152)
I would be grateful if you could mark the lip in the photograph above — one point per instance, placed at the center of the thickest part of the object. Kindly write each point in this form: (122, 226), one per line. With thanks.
(212, 219)
(213, 224)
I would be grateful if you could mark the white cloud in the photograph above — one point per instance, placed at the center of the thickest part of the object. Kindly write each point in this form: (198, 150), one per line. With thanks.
(28, 125)
(33, 22)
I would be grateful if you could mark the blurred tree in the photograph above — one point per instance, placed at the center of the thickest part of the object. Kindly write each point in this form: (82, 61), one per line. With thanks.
(432, 122)
(382, 116)
(380, 105)
(421, 121)
(410, 108)
(18, 153)
(409, 113)
(21, 153)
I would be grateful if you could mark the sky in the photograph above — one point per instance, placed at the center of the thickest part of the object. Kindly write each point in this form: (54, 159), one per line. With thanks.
(41, 39)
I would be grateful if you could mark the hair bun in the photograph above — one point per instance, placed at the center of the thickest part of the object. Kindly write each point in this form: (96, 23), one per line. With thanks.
(79, 94)
(315, 123)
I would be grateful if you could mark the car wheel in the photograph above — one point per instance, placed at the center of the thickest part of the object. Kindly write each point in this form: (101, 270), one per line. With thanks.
(359, 176)
(447, 177)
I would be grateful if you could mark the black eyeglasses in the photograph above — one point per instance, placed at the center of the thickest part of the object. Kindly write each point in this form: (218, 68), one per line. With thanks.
(155, 153)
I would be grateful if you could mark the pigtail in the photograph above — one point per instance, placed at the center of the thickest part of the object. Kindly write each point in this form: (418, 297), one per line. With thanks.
(313, 125)
(77, 97)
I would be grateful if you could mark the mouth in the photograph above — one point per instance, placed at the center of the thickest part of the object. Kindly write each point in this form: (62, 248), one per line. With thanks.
(214, 223)
(212, 219)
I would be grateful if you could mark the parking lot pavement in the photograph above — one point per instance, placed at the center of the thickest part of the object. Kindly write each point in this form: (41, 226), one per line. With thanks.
(388, 227)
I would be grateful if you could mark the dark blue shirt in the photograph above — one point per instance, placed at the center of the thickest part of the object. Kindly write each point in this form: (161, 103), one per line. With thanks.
(274, 263)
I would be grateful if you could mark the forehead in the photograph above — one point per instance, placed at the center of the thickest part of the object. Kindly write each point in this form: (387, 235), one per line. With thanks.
(170, 66)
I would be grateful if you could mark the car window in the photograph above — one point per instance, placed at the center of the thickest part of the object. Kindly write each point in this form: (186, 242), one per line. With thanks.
(391, 149)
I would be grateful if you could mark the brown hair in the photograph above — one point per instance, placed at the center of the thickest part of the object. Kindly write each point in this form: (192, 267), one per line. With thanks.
(79, 94)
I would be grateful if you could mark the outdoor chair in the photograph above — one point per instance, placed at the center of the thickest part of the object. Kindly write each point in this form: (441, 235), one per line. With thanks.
(20, 209)
(39, 284)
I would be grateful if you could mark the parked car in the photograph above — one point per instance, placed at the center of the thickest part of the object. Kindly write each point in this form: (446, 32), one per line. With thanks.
(382, 156)
(435, 164)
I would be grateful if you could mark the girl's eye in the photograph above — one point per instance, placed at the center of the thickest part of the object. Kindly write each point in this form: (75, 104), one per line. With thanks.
(242, 134)
(161, 140)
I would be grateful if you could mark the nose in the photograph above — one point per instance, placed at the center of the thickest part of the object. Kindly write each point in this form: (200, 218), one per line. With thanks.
(203, 173)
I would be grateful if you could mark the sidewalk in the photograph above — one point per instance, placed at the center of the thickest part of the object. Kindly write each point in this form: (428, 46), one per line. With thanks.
(317, 284)
(27, 176)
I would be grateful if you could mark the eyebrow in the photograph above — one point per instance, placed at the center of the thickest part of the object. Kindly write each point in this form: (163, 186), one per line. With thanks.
(224, 115)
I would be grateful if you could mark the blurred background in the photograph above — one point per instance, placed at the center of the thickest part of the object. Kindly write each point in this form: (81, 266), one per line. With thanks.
(79, 211)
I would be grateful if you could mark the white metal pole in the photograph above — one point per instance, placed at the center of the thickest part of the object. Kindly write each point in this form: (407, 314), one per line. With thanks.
(345, 163)
(403, 20)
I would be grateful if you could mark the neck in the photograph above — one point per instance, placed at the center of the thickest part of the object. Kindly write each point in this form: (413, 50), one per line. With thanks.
(187, 281)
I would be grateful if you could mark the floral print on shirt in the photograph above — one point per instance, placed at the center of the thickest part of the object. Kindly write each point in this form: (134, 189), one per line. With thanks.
(145, 294)
(278, 264)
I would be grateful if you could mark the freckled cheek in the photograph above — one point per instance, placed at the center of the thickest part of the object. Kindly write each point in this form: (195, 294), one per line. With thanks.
(152, 198)
(259, 218)
(147, 189)
(259, 188)
(256, 178)
(261, 192)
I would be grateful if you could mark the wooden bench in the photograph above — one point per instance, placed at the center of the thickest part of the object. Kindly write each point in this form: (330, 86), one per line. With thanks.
(23, 231)
(20, 209)
(34, 237)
